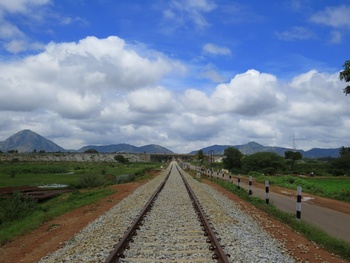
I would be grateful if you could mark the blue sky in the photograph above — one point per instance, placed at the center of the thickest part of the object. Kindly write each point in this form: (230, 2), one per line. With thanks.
(184, 74)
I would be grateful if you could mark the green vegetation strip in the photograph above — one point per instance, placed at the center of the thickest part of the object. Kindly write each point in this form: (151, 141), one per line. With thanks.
(74, 174)
(40, 213)
(20, 215)
(330, 187)
(311, 232)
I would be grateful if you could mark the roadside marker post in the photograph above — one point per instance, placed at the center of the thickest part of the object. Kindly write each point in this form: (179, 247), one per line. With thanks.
(298, 214)
(267, 192)
(250, 185)
(239, 181)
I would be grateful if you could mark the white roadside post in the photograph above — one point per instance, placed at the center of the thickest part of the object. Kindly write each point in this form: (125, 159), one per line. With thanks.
(267, 191)
(250, 185)
(298, 214)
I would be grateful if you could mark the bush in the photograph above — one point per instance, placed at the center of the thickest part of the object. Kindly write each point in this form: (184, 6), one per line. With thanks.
(125, 178)
(91, 180)
(120, 158)
(16, 207)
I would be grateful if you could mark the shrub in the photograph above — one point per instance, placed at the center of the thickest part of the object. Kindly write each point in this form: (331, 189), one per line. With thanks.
(120, 158)
(91, 180)
(16, 207)
(125, 178)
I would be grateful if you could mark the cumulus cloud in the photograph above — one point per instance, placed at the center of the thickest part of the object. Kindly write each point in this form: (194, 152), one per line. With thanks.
(103, 91)
(36, 13)
(216, 50)
(334, 16)
(181, 11)
(249, 93)
(295, 33)
(151, 100)
(21, 6)
(74, 78)
(258, 129)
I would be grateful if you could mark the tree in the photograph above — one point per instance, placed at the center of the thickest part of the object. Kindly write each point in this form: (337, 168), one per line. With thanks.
(264, 162)
(342, 163)
(200, 156)
(120, 158)
(344, 150)
(345, 75)
(232, 158)
(292, 157)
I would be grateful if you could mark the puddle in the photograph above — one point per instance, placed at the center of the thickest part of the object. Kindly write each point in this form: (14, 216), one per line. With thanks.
(307, 198)
(53, 186)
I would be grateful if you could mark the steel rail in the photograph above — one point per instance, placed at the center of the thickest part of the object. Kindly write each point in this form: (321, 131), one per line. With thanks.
(219, 253)
(123, 243)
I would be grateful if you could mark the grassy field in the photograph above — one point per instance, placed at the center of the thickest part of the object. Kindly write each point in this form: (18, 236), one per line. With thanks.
(330, 187)
(43, 173)
(20, 214)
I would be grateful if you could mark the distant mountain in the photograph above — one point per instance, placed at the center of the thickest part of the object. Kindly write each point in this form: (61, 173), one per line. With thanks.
(28, 141)
(253, 147)
(123, 147)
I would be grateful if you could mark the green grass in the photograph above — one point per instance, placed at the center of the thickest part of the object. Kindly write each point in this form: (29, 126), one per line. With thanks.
(330, 187)
(69, 173)
(308, 230)
(51, 209)
(41, 173)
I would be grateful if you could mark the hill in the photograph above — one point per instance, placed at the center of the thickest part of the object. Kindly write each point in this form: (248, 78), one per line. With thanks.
(253, 147)
(28, 141)
(127, 148)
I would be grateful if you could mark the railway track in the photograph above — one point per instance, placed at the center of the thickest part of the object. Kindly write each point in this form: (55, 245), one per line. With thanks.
(171, 227)
(170, 230)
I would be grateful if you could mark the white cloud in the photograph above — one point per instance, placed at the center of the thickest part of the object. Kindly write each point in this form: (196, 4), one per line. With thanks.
(336, 37)
(34, 16)
(73, 78)
(21, 6)
(9, 31)
(258, 129)
(193, 11)
(295, 33)
(250, 93)
(334, 16)
(217, 50)
(103, 91)
(153, 100)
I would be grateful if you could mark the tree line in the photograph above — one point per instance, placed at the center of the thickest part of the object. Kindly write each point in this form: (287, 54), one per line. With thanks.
(270, 163)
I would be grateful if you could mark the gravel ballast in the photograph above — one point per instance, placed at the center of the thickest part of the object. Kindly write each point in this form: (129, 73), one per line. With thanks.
(243, 238)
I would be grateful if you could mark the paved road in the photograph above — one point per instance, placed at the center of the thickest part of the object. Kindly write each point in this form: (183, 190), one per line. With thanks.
(332, 222)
